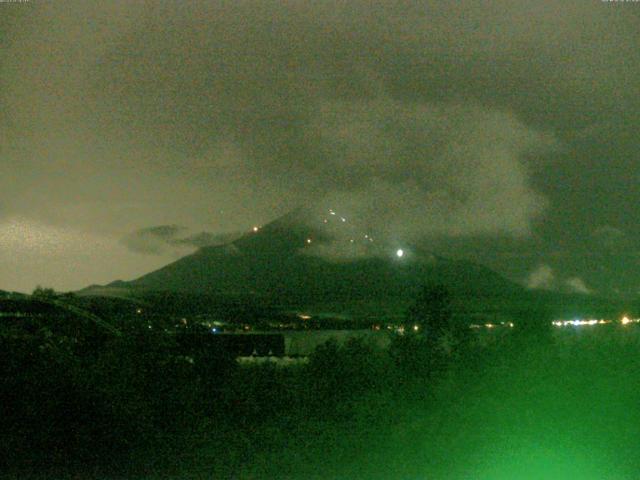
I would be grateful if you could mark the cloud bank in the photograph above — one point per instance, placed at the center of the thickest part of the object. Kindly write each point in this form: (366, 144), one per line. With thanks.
(417, 119)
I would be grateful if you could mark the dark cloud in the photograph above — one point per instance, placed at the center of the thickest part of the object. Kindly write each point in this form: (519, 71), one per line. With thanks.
(206, 239)
(153, 240)
(175, 239)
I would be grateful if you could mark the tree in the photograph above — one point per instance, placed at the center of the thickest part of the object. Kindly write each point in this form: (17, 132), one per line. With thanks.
(44, 293)
(437, 331)
(432, 312)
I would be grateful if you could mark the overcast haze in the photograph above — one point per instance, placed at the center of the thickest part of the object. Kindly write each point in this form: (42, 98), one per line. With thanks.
(133, 132)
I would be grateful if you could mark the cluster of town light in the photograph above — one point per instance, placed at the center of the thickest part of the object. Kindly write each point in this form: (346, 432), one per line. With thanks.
(578, 323)
(492, 325)
(581, 322)
(627, 320)
(401, 329)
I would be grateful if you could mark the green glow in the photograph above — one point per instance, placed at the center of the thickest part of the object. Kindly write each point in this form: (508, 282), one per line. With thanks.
(535, 462)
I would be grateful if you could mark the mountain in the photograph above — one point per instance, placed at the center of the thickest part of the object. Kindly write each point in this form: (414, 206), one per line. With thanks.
(278, 262)
(278, 265)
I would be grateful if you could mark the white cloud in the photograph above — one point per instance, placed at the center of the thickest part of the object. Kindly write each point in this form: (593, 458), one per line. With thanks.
(417, 170)
(577, 285)
(541, 278)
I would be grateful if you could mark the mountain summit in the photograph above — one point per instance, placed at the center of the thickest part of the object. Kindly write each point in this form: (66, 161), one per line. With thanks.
(294, 259)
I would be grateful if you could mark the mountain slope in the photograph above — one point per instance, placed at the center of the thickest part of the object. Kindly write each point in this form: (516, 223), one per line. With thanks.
(278, 260)
(278, 265)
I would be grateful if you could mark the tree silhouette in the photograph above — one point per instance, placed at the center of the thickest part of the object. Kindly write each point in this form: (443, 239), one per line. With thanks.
(44, 293)
(432, 311)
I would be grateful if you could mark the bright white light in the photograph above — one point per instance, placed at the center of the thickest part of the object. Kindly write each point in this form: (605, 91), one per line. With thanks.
(255, 229)
(308, 240)
(399, 253)
(590, 321)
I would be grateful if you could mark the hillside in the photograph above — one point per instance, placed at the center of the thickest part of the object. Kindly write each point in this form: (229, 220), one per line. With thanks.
(276, 262)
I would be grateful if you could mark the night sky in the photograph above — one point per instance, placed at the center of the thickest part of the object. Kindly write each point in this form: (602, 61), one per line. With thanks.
(504, 132)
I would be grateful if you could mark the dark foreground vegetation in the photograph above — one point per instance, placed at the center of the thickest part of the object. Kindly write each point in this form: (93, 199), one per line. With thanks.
(81, 399)
(137, 405)
(84, 403)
